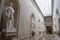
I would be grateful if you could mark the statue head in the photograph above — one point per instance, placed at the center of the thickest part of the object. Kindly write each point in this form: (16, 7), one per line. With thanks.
(11, 4)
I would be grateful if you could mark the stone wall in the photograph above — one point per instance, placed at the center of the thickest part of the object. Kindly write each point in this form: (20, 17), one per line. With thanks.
(27, 8)
(56, 15)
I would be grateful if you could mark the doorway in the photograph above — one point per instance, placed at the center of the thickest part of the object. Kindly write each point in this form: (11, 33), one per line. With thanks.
(49, 30)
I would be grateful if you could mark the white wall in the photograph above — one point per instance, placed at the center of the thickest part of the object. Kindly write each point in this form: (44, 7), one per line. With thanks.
(55, 19)
(26, 9)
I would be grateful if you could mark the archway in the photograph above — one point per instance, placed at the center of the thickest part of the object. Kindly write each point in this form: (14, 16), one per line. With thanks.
(32, 27)
(49, 29)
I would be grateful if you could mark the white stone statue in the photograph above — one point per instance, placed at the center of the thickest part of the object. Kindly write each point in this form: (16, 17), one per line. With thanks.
(10, 18)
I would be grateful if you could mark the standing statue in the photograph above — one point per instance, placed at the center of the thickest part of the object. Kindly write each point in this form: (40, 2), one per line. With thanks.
(10, 15)
(8, 18)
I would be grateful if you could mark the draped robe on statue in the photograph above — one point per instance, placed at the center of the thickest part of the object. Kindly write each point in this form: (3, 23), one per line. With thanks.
(8, 20)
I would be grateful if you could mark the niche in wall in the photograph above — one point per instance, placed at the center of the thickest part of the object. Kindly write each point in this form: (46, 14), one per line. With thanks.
(32, 26)
(33, 22)
(15, 7)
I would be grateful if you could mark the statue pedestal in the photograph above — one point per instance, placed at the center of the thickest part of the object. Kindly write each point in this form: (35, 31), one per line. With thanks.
(11, 31)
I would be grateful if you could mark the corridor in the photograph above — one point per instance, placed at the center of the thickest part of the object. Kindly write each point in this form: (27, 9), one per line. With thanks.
(29, 20)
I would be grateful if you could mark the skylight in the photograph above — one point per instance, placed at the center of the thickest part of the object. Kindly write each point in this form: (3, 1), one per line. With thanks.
(45, 6)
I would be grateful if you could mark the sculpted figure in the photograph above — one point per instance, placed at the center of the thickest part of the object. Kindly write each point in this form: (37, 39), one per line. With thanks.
(9, 15)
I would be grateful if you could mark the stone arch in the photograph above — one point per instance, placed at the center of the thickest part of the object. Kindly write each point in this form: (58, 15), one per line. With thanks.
(32, 26)
(32, 20)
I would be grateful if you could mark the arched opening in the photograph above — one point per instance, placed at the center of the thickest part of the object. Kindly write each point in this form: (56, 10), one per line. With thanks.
(32, 26)
(49, 30)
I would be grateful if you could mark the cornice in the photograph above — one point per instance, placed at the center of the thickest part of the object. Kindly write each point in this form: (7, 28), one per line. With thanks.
(37, 7)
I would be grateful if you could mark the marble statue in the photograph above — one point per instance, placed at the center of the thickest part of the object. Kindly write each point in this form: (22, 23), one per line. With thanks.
(7, 21)
(9, 15)
(8, 18)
